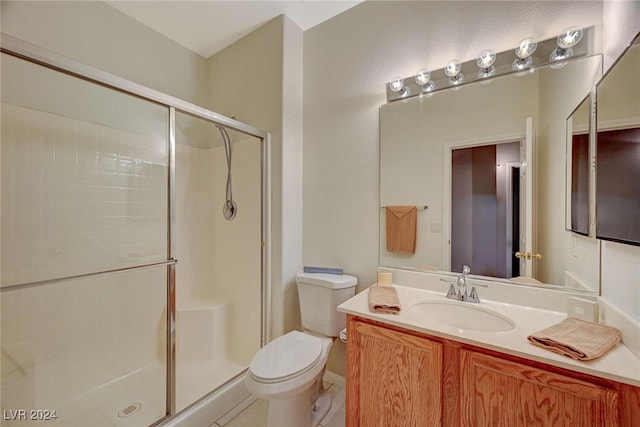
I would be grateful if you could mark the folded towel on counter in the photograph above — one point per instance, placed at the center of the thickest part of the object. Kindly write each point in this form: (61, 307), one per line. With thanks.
(578, 339)
(384, 299)
(401, 228)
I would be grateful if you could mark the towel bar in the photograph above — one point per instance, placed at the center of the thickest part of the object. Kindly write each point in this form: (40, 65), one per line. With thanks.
(420, 208)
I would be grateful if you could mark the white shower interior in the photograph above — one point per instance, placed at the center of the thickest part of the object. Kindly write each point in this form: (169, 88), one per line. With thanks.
(218, 296)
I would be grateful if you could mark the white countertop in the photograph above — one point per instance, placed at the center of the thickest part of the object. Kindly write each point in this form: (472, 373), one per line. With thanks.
(618, 364)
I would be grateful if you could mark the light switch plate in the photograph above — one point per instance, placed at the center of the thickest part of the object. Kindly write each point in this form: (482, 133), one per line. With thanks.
(583, 309)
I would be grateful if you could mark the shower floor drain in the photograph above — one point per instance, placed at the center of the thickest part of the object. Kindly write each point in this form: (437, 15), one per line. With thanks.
(130, 410)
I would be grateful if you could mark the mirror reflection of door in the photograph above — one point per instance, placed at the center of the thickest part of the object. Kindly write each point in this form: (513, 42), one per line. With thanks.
(485, 209)
(580, 168)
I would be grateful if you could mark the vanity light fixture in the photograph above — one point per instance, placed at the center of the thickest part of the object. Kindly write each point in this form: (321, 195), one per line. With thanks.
(525, 49)
(485, 63)
(453, 70)
(565, 41)
(557, 51)
(397, 85)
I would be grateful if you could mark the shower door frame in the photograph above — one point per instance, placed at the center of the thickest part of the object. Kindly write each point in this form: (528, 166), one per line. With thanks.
(39, 56)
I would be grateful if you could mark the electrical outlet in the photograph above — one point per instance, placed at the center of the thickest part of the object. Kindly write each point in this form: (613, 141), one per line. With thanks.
(583, 309)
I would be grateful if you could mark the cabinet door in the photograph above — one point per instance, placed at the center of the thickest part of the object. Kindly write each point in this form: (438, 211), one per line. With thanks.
(393, 378)
(497, 392)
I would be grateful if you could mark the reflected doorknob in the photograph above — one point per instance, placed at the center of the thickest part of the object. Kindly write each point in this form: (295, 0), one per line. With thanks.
(528, 255)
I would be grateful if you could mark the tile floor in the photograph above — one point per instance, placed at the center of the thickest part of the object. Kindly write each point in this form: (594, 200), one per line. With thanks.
(254, 413)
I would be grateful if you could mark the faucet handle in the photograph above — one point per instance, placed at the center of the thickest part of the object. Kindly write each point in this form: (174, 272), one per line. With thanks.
(466, 269)
(473, 295)
(451, 294)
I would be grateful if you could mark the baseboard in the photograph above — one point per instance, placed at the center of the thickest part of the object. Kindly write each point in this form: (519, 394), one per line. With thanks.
(336, 379)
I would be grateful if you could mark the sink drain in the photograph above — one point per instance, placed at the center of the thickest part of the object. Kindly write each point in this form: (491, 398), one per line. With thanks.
(130, 410)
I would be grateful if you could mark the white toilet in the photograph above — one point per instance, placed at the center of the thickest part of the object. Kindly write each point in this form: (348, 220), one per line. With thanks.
(288, 371)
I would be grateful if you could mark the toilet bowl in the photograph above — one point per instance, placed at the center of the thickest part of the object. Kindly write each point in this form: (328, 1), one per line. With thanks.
(288, 371)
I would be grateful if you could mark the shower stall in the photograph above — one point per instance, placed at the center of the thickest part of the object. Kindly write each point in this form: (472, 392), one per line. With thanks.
(128, 292)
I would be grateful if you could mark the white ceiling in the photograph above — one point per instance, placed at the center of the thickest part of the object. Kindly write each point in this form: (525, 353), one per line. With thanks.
(208, 26)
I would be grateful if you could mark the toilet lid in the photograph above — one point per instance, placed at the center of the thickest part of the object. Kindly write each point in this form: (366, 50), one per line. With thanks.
(285, 357)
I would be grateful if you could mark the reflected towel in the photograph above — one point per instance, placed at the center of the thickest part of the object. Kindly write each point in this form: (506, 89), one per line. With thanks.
(401, 228)
(578, 339)
(384, 299)
(527, 280)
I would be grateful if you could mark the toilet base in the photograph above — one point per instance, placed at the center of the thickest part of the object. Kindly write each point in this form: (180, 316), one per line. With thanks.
(307, 409)
(321, 408)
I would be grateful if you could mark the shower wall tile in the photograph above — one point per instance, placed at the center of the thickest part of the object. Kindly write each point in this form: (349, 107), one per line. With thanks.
(78, 197)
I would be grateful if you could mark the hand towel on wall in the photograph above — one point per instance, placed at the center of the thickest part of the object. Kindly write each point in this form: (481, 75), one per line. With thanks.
(401, 228)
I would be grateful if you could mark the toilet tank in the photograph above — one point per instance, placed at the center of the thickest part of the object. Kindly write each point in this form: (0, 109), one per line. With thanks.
(320, 295)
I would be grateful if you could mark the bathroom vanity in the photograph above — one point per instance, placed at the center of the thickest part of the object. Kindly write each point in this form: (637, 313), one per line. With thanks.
(414, 370)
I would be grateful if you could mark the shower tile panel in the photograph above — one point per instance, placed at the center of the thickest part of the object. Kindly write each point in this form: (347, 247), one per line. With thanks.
(78, 196)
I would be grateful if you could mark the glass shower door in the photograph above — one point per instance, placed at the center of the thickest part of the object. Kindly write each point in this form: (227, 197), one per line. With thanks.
(83, 277)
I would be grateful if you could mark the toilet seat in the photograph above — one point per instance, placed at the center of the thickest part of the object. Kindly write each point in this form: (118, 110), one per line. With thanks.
(286, 357)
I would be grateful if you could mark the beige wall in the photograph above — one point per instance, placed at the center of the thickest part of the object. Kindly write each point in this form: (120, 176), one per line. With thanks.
(98, 35)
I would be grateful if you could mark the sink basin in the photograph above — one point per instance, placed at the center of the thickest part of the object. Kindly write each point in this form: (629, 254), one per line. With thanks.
(462, 315)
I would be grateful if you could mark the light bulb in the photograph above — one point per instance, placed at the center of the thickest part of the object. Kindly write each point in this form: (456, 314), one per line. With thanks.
(427, 88)
(423, 77)
(485, 62)
(560, 54)
(521, 64)
(396, 84)
(486, 59)
(569, 38)
(526, 48)
(453, 68)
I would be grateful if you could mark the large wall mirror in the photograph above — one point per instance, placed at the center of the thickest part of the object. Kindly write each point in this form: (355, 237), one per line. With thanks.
(486, 164)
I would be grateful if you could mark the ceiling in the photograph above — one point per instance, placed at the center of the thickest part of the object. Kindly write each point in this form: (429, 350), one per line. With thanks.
(208, 26)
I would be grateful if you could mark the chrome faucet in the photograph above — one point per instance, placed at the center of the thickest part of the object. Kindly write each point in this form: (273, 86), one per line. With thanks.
(462, 283)
(458, 290)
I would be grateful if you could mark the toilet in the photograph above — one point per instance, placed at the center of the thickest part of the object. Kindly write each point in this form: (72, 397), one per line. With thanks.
(288, 371)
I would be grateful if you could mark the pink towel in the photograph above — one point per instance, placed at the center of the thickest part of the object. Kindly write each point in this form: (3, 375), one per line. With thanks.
(401, 228)
(577, 339)
(384, 299)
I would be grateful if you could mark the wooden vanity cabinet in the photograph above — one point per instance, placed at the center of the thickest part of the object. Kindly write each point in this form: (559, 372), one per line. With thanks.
(496, 392)
(393, 378)
(397, 377)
